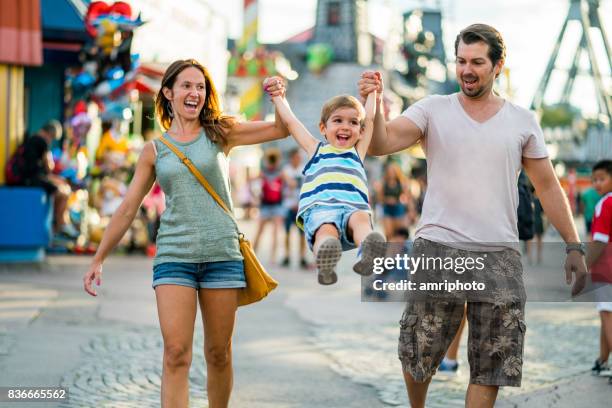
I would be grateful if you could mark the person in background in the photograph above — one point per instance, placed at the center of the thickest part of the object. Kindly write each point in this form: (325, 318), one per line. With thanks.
(599, 259)
(538, 231)
(113, 148)
(36, 170)
(271, 208)
(394, 193)
(293, 180)
(588, 200)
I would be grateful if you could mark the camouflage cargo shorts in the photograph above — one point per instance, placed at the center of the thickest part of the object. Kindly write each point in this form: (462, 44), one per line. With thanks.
(495, 319)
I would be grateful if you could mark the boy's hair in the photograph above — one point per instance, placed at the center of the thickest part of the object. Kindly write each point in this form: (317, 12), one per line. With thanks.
(605, 165)
(341, 101)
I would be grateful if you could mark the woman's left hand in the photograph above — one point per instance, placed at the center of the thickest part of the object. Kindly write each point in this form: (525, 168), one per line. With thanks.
(275, 86)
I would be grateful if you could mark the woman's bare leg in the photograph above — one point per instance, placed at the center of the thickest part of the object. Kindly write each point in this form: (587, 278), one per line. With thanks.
(218, 314)
(176, 307)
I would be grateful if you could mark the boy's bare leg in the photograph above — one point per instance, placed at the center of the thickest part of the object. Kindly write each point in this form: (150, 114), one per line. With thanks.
(417, 391)
(360, 230)
(481, 396)
(359, 226)
(325, 231)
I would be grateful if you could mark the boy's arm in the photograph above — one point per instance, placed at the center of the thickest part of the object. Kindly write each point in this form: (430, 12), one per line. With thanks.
(301, 135)
(602, 232)
(370, 113)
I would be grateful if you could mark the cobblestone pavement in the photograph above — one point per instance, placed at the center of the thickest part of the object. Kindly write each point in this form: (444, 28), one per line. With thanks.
(116, 369)
(107, 350)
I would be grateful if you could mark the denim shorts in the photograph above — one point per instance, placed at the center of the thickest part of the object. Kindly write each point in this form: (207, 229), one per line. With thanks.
(339, 216)
(206, 275)
(394, 210)
(272, 211)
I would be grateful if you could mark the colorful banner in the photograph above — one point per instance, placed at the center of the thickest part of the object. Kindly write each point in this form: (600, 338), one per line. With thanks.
(250, 101)
(248, 42)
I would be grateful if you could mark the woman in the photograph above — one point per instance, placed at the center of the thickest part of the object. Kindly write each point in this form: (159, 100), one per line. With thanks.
(394, 197)
(271, 208)
(190, 263)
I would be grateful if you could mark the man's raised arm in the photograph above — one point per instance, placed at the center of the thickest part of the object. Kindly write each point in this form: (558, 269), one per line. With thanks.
(388, 137)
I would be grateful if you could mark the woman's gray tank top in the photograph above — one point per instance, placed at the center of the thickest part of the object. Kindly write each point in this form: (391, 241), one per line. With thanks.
(194, 228)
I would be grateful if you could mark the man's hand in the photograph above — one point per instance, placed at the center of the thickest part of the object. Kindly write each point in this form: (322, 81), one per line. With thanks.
(575, 263)
(371, 81)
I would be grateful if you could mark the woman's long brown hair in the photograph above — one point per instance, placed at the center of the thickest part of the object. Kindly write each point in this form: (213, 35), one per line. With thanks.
(215, 123)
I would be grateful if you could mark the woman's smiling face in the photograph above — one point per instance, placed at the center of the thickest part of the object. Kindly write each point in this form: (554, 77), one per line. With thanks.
(188, 93)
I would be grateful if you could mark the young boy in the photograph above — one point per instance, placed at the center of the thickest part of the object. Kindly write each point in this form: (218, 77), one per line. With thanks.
(334, 211)
(599, 259)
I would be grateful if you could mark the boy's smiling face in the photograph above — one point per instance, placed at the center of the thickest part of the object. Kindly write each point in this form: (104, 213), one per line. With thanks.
(343, 128)
(602, 182)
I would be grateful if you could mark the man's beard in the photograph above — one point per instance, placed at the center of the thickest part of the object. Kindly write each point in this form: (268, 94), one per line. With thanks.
(476, 92)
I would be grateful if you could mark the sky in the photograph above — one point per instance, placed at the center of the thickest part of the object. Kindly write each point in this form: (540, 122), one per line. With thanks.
(529, 27)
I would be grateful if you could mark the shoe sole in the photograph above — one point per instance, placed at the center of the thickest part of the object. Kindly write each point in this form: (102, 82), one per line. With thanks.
(328, 255)
(373, 246)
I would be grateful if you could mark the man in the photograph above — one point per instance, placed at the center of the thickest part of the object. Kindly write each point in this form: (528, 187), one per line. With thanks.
(37, 172)
(475, 142)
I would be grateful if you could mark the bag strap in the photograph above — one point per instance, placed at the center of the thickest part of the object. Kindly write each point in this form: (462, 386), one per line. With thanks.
(193, 169)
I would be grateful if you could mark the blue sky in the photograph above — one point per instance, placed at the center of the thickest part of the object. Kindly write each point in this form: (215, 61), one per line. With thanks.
(529, 27)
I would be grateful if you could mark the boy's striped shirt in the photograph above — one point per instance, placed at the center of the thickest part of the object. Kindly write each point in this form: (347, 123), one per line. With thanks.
(333, 177)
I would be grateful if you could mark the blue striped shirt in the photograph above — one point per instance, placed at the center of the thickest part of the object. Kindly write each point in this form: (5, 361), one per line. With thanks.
(333, 177)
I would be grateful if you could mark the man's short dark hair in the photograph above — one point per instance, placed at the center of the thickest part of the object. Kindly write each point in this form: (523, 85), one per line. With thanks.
(53, 128)
(488, 35)
(605, 165)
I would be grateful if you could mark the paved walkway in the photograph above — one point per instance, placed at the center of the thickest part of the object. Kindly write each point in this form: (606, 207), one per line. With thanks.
(108, 350)
(304, 346)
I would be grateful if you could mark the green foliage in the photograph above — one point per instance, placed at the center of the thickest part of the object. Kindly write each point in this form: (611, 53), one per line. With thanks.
(557, 116)
(318, 56)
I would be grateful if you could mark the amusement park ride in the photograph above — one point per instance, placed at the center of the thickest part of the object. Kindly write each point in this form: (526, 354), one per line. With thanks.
(586, 13)
(580, 141)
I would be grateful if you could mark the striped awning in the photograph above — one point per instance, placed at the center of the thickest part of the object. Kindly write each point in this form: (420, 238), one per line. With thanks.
(20, 32)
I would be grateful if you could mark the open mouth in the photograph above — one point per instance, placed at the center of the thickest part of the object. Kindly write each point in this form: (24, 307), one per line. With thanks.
(470, 82)
(191, 106)
(342, 139)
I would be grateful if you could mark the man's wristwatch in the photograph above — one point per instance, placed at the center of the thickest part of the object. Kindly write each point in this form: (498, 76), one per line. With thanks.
(576, 246)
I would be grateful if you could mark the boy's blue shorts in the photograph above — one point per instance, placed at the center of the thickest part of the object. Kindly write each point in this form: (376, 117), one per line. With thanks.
(339, 216)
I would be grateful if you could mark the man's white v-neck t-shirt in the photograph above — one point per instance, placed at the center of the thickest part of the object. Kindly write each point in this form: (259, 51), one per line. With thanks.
(472, 171)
